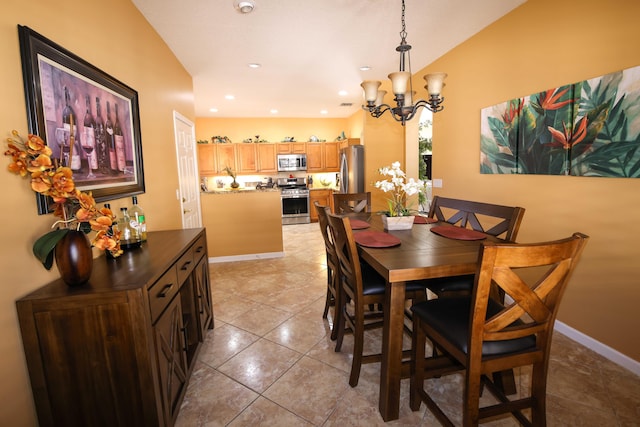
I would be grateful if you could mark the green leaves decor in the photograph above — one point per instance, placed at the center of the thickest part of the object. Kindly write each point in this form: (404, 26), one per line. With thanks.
(590, 128)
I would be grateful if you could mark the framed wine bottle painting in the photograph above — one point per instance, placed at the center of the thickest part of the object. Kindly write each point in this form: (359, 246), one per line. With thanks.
(89, 119)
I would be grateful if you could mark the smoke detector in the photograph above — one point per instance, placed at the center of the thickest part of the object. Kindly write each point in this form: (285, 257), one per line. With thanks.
(244, 6)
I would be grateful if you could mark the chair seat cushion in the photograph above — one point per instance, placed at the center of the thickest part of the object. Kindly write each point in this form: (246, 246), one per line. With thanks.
(450, 317)
(441, 285)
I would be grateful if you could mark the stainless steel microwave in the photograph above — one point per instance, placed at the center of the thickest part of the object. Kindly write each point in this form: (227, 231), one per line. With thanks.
(292, 162)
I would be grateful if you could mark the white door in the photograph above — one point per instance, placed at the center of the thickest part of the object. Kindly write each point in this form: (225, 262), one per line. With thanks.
(187, 171)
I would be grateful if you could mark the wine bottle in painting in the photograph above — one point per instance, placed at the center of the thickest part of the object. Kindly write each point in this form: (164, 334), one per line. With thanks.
(101, 141)
(88, 141)
(111, 142)
(119, 140)
(70, 124)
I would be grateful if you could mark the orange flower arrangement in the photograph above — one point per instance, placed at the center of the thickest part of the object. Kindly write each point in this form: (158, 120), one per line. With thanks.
(76, 209)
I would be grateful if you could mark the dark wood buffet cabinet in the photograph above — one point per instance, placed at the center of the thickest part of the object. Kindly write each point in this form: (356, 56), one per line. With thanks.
(119, 350)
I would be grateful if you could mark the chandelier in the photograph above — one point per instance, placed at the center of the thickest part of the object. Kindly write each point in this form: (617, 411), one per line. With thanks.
(405, 109)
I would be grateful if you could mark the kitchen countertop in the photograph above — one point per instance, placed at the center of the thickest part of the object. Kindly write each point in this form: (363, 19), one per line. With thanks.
(239, 190)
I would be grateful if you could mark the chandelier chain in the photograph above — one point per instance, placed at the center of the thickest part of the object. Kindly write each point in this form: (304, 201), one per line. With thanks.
(403, 33)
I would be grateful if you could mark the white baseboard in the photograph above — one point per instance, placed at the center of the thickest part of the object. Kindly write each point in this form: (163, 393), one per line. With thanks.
(602, 349)
(247, 257)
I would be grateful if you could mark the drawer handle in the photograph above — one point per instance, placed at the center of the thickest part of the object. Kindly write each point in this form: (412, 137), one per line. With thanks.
(165, 290)
(185, 334)
(200, 249)
(201, 304)
(185, 265)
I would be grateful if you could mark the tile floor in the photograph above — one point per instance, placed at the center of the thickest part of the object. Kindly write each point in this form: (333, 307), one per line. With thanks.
(269, 360)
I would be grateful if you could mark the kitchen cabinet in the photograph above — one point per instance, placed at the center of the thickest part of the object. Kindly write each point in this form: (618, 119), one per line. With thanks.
(247, 158)
(292, 147)
(323, 157)
(267, 158)
(207, 160)
(347, 142)
(120, 349)
(213, 158)
(225, 156)
(323, 197)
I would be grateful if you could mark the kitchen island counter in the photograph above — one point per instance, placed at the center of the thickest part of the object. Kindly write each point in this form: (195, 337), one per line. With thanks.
(242, 224)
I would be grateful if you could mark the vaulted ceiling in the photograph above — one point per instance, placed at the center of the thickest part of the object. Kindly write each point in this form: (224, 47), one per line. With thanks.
(308, 50)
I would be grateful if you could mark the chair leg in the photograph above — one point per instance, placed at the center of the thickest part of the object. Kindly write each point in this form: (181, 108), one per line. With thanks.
(358, 346)
(471, 407)
(327, 304)
(538, 394)
(337, 309)
(418, 342)
(339, 322)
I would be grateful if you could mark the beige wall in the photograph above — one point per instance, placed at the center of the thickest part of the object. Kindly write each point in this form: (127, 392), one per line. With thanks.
(114, 37)
(271, 129)
(541, 45)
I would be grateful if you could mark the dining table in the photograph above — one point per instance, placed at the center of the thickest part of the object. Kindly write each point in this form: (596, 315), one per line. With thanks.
(415, 254)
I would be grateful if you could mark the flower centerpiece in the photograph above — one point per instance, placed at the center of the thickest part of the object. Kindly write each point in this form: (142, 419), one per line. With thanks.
(76, 210)
(400, 189)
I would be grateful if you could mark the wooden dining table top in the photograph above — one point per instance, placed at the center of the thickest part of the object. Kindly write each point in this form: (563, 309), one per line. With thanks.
(421, 254)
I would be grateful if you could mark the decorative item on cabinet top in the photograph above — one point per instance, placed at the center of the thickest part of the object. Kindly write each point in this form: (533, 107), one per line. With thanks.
(255, 139)
(217, 139)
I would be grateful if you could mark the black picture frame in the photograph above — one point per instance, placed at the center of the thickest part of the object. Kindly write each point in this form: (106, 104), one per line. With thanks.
(49, 73)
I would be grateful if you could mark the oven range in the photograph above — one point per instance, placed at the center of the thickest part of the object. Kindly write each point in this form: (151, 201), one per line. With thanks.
(294, 197)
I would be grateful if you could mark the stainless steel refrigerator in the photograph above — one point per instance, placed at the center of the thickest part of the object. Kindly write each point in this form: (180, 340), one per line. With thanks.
(352, 169)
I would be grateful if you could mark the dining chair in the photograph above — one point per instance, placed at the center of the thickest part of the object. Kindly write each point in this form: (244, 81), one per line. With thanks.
(351, 202)
(360, 288)
(480, 335)
(332, 267)
(495, 220)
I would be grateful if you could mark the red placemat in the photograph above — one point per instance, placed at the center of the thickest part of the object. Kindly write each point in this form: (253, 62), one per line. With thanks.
(376, 239)
(458, 233)
(424, 220)
(358, 224)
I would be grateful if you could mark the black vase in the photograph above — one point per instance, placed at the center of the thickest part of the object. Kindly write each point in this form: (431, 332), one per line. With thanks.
(74, 258)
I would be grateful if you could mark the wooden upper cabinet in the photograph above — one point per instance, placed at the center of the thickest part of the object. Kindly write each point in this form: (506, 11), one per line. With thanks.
(331, 157)
(207, 159)
(292, 147)
(247, 158)
(315, 162)
(225, 156)
(323, 157)
(267, 158)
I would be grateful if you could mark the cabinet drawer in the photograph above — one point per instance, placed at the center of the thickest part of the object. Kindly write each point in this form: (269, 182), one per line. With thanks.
(199, 248)
(162, 292)
(185, 265)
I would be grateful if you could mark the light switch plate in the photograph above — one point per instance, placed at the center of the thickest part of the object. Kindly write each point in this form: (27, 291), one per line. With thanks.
(437, 183)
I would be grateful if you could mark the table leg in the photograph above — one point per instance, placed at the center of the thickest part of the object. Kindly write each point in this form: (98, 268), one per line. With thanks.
(390, 370)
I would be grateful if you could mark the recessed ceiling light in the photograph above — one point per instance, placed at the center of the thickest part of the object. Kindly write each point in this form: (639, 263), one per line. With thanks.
(254, 65)
(324, 112)
(244, 6)
(274, 111)
(343, 93)
(365, 68)
(229, 97)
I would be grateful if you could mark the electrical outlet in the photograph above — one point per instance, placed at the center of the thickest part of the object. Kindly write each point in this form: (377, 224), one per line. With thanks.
(437, 183)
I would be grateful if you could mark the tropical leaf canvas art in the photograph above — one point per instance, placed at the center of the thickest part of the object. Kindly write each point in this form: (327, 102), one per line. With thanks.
(590, 128)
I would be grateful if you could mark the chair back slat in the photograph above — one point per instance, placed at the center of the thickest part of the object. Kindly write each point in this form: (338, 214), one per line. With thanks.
(344, 203)
(533, 278)
(496, 220)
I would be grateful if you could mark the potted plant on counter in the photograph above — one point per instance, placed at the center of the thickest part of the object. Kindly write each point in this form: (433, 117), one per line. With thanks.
(232, 174)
